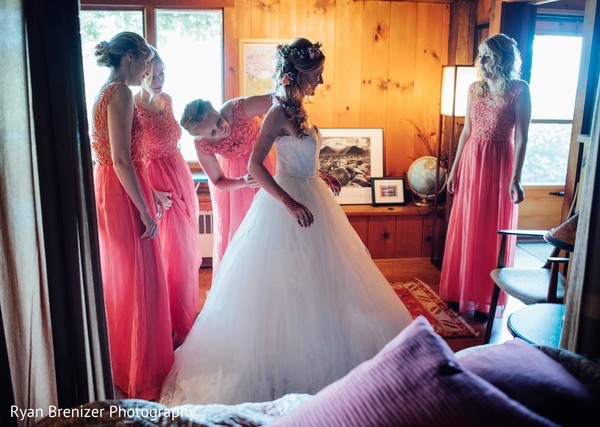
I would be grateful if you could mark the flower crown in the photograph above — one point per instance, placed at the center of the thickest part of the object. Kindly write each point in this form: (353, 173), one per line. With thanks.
(285, 51)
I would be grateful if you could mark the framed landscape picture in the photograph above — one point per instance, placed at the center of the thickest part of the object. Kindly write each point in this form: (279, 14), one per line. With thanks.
(353, 156)
(388, 191)
(257, 57)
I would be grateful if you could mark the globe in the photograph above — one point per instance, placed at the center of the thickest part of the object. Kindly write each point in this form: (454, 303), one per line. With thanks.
(421, 179)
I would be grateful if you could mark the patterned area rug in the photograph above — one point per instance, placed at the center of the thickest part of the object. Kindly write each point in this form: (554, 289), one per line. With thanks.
(419, 298)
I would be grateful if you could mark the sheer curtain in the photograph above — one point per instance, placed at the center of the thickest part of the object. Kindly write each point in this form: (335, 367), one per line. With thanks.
(54, 330)
(24, 291)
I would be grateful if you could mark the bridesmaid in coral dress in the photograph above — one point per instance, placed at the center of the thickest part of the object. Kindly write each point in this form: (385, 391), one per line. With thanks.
(224, 142)
(172, 181)
(485, 177)
(135, 287)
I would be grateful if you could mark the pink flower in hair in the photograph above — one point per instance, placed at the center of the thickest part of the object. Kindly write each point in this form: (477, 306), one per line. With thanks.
(287, 79)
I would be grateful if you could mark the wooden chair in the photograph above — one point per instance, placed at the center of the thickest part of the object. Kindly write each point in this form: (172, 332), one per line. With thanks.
(533, 285)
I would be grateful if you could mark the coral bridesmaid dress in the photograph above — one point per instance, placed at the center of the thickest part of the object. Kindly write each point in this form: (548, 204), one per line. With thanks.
(178, 228)
(482, 203)
(233, 154)
(135, 287)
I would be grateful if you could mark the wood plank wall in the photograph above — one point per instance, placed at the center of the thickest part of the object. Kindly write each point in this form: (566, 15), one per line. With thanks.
(383, 67)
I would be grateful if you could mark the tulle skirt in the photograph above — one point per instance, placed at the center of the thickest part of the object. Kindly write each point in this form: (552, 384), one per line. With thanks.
(135, 288)
(291, 309)
(178, 236)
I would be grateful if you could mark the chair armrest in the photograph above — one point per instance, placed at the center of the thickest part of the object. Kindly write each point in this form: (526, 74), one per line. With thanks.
(524, 233)
(559, 260)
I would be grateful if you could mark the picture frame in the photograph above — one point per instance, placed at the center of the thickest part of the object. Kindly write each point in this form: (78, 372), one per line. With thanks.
(256, 59)
(353, 156)
(388, 191)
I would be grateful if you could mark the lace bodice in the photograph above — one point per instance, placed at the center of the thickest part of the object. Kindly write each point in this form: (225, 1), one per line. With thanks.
(493, 118)
(240, 141)
(161, 131)
(298, 156)
(100, 140)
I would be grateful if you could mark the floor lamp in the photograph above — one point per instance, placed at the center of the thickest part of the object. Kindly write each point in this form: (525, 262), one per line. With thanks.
(456, 80)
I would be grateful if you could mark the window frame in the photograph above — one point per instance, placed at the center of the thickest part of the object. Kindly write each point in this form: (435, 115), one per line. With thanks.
(148, 9)
(557, 23)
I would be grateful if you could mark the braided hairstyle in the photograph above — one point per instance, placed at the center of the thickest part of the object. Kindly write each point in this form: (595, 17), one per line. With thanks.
(293, 62)
(507, 66)
(109, 54)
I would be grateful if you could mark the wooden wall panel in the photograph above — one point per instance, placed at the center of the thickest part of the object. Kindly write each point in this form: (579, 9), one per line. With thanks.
(321, 27)
(374, 64)
(293, 16)
(265, 19)
(347, 71)
(383, 65)
(430, 55)
(400, 101)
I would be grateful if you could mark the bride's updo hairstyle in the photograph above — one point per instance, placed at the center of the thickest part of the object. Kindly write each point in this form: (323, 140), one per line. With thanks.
(193, 114)
(507, 64)
(292, 62)
(109, 54)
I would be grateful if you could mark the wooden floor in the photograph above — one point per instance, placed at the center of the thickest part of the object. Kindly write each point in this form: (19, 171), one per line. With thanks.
(396, 270)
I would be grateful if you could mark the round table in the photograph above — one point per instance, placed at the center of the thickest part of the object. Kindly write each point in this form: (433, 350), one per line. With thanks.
(538, 323)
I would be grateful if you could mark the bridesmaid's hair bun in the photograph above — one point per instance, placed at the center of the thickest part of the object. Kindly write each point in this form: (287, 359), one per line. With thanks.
(108, 54)
(193, 114)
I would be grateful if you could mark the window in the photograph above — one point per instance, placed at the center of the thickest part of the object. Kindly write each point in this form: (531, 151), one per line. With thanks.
(191, 45)
(190, 42)
(96, 26)
(554, 73)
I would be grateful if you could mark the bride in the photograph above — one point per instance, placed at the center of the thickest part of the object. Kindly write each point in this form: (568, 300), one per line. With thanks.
(297, 302)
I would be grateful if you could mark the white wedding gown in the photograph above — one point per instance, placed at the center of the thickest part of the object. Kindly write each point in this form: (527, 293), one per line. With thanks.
(291, 309)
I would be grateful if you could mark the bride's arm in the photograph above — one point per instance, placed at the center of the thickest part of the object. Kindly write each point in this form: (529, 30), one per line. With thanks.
(275, 124)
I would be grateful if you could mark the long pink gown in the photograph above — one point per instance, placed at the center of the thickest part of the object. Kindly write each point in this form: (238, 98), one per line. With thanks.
(178, 228)
(135, 287)
(482, 203)
(233, 154)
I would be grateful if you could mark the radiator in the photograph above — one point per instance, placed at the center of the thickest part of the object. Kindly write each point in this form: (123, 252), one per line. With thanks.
(205, 233)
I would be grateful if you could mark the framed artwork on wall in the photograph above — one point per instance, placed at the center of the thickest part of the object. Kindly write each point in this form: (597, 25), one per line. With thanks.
(388, 191)
(257, 57)
(353, 156)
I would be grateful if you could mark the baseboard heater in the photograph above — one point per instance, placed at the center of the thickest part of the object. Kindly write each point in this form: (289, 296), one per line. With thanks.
(205, 236)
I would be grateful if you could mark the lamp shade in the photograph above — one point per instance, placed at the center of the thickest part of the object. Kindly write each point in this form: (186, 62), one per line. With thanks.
(456, 80)
(563, 236)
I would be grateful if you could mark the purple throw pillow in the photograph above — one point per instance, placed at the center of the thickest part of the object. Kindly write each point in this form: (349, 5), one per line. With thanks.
(529, 376)
(414, 380)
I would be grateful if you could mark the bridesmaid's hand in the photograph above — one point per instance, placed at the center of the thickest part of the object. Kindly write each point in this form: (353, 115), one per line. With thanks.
(303, 215)
(517, 195)
(163, 202)
(250, 181)
(151, 226)
(332, 182)
(452, 184)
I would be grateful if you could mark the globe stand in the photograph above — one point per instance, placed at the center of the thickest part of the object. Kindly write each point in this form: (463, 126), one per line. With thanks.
(422, 202)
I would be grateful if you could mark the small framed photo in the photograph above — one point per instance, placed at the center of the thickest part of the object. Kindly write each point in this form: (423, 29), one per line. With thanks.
(387, 191)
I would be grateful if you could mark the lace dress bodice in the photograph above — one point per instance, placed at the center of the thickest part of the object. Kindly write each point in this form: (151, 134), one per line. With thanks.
(161, 131)
(493, 117)
(100, 139)
(298, 156)
(240, 141)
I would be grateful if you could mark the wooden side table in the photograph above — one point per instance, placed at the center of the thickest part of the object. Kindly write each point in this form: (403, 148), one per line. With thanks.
(539, 324)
